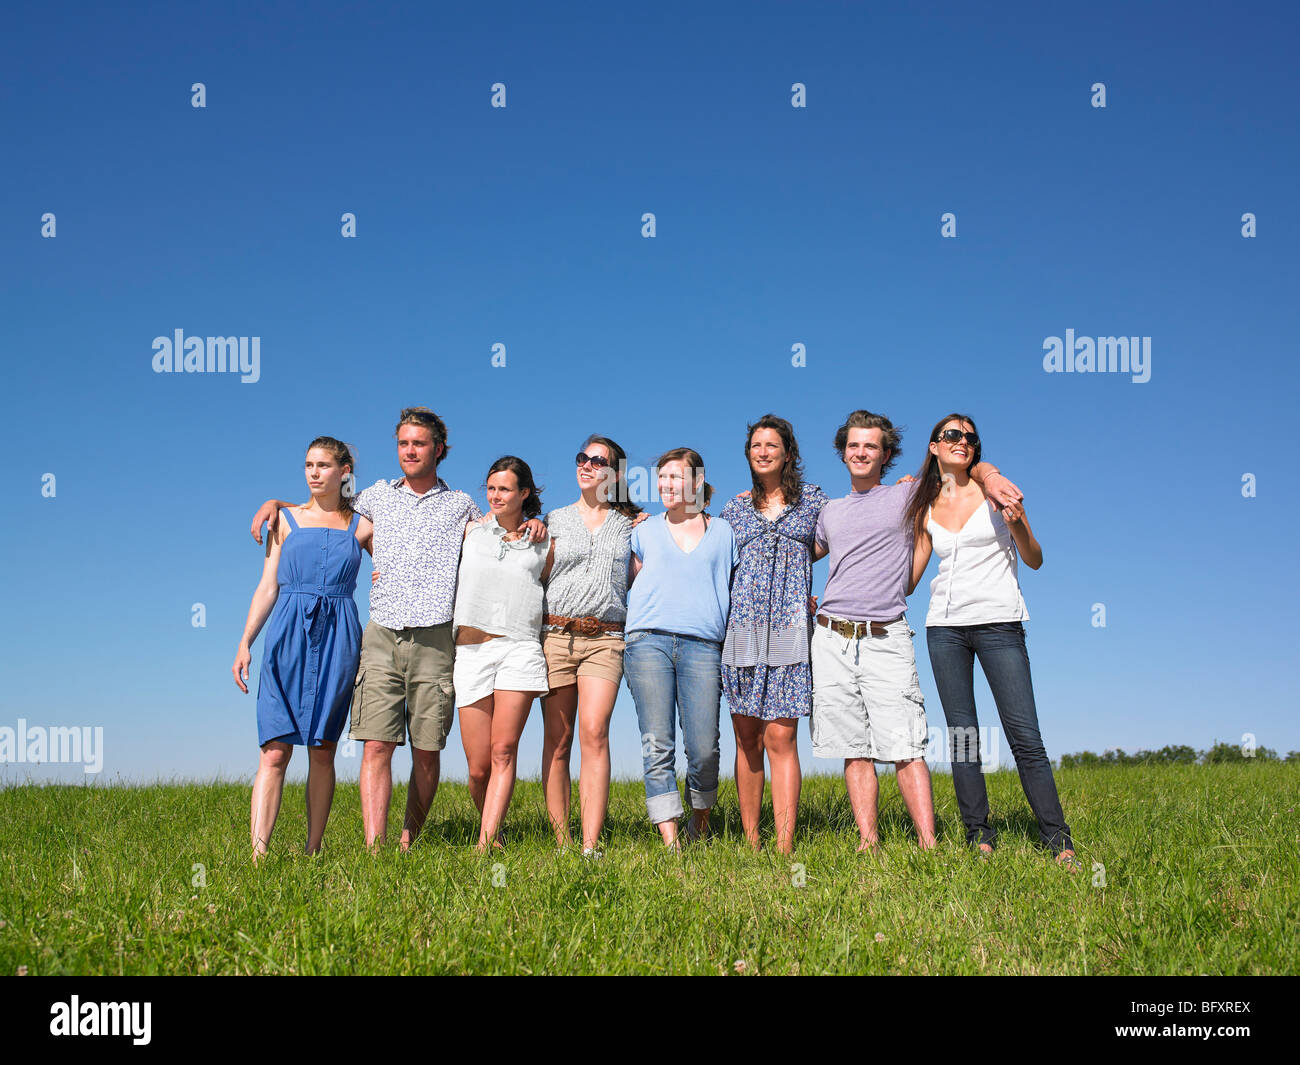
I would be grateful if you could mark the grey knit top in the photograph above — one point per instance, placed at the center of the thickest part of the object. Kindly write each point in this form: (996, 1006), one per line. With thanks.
(589, 575)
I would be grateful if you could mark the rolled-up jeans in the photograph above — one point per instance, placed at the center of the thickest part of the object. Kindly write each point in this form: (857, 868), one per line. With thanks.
(1000, 648)
(673, 676)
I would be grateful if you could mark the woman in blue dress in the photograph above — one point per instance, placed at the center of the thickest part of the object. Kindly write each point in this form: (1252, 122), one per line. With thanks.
(313, 643)
(766, 674)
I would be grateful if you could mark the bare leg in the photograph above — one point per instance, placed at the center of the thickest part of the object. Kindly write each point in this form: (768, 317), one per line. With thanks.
(596, 698)
(425, 766)
(780, 740)
(476, 735)
(268, 786)
(860, 779)
(509, 715)
(320, 792)
(701, 820)
(559, 709)
(914, 783)
(749, 773)
(376, 790)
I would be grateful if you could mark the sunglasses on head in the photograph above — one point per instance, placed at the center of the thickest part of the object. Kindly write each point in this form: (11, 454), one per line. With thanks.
(952, 436)
(598, 462)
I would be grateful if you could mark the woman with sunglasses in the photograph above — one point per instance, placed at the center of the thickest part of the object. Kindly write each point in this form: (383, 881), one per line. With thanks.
(586, 605)
(765, 668)
(677, 607)
(977, 611)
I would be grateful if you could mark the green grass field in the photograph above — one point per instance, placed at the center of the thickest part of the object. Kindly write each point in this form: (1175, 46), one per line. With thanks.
(1201, 875)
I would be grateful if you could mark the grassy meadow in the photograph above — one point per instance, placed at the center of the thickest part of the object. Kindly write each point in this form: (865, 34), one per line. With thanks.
(1186, 870)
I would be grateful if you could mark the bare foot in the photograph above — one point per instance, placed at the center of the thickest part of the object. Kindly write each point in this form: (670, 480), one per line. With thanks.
(1067, 861)
(868, 845)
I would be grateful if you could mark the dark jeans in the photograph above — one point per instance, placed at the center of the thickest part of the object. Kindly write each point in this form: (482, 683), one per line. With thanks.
(1002, 655)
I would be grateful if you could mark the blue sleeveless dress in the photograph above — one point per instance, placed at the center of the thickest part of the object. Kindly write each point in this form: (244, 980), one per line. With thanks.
(313, 639)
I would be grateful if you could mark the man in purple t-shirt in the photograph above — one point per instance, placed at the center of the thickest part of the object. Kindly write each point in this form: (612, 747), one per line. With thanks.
(867, 702)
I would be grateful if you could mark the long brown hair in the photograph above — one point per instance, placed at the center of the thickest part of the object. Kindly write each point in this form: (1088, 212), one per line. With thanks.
(930, 480)
(618, 497)
(341, 454)
(791, 473)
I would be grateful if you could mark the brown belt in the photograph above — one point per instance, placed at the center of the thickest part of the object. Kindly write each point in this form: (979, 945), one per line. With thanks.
(588, 626)
(852, 630)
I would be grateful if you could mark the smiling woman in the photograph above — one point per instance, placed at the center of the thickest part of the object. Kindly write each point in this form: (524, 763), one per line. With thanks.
(977, 611)
(766, 673)
(586, 604)
(676, 619)
(497, 626)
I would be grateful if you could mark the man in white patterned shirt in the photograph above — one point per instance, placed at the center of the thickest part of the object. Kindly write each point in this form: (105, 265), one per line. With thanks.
(404, 680)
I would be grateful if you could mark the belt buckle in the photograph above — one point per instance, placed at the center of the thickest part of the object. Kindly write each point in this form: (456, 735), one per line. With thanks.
(587, 626)
(847, 629)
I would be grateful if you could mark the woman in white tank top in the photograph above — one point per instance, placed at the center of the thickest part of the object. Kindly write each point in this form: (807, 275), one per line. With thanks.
(977, 611)
(497, 627)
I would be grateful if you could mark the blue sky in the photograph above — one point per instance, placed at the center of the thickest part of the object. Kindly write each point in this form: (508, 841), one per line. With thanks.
(775, 226)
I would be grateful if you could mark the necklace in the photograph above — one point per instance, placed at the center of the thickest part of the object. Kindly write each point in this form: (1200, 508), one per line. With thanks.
(504, 545)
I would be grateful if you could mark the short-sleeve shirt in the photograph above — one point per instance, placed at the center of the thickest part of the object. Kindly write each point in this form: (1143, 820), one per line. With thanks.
(870, 553)
(687, 593)
(589, 574)
(416, 550)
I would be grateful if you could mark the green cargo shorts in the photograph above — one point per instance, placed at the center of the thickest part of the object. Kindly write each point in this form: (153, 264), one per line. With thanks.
(404, 682)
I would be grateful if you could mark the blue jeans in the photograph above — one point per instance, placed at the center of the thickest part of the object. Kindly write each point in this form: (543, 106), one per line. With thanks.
(671, 675)
(1001, 651)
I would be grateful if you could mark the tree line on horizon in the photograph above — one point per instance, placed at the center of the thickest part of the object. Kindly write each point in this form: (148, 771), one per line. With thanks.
(1177, 754)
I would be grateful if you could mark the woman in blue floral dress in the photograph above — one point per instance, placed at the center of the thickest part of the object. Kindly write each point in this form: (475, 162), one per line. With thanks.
(765, 669)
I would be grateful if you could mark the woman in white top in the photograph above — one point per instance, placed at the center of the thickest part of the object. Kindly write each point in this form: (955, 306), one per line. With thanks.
(497, 629)
(977, 611)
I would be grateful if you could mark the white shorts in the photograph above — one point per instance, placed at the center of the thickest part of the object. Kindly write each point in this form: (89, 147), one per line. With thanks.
(867, 700)
(504, 662)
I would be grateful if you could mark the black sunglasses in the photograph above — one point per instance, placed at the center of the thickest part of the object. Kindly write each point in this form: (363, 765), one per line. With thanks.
(598, 462)
(951, 436)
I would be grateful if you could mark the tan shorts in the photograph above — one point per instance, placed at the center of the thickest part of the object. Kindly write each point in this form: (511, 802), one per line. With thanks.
(569, 656)
(404, 681)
